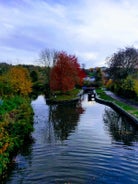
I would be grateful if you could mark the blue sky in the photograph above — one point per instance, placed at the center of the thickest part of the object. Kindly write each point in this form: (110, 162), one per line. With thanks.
(90, 29)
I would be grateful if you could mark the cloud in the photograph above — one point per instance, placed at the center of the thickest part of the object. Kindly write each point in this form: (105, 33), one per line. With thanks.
(90, 29)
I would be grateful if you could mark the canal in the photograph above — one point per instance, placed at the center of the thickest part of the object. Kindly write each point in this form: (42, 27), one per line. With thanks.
(86, 143)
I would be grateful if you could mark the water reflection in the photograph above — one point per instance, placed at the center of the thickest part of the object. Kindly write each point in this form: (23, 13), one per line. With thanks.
(87, 156)
(64, 119)
(54, 123)
(20, 162)
(119, 127)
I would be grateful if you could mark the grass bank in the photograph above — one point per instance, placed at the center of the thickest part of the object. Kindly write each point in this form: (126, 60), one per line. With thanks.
(131, 110)
(58, 96)
(16, 123)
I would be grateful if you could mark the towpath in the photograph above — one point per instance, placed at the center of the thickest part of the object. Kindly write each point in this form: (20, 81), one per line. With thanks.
(127, 101)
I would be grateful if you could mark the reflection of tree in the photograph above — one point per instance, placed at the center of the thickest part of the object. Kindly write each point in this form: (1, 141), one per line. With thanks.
(119, 127)
(65, 118)
(50, 129)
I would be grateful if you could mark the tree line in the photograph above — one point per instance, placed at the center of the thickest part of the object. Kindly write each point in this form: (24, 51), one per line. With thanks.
(123, 72)
(58, 71)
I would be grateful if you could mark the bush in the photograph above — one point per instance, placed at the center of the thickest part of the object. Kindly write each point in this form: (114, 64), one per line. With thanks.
(15, 125)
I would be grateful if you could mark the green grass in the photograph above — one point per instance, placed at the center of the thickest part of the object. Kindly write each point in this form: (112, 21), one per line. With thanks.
(101, 94)
(58, 96)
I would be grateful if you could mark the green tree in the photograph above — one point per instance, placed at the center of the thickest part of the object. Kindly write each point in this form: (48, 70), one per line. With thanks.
(122, 64)
(34, 76)
(122, 70)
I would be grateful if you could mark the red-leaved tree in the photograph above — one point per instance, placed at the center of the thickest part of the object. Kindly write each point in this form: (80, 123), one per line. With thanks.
(66, 73)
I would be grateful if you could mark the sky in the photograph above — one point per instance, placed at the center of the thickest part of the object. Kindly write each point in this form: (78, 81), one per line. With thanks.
(90, 29)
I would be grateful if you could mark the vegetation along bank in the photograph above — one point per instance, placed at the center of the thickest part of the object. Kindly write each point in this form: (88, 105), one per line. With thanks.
(16, 115)
(123, 108)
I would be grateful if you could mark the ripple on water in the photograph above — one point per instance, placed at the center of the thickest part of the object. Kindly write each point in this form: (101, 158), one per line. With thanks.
(85, 149)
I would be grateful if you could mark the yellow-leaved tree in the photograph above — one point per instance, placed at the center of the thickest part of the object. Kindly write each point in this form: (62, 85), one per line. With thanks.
(20, 80)
(136, 86)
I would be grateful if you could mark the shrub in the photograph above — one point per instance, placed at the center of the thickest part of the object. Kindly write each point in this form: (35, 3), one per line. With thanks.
(15, 125)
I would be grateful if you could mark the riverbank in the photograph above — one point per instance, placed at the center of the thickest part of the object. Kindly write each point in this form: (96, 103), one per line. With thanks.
(16, 123)
(124, 107)
(65, 98)
(130, 102)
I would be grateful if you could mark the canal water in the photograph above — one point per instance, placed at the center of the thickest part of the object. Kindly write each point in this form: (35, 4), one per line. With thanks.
(86, 143)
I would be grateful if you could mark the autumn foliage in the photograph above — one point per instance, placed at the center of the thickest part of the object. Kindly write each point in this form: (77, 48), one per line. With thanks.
(15, 112)
(20, 80)
(66, 73)
(16, 81)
